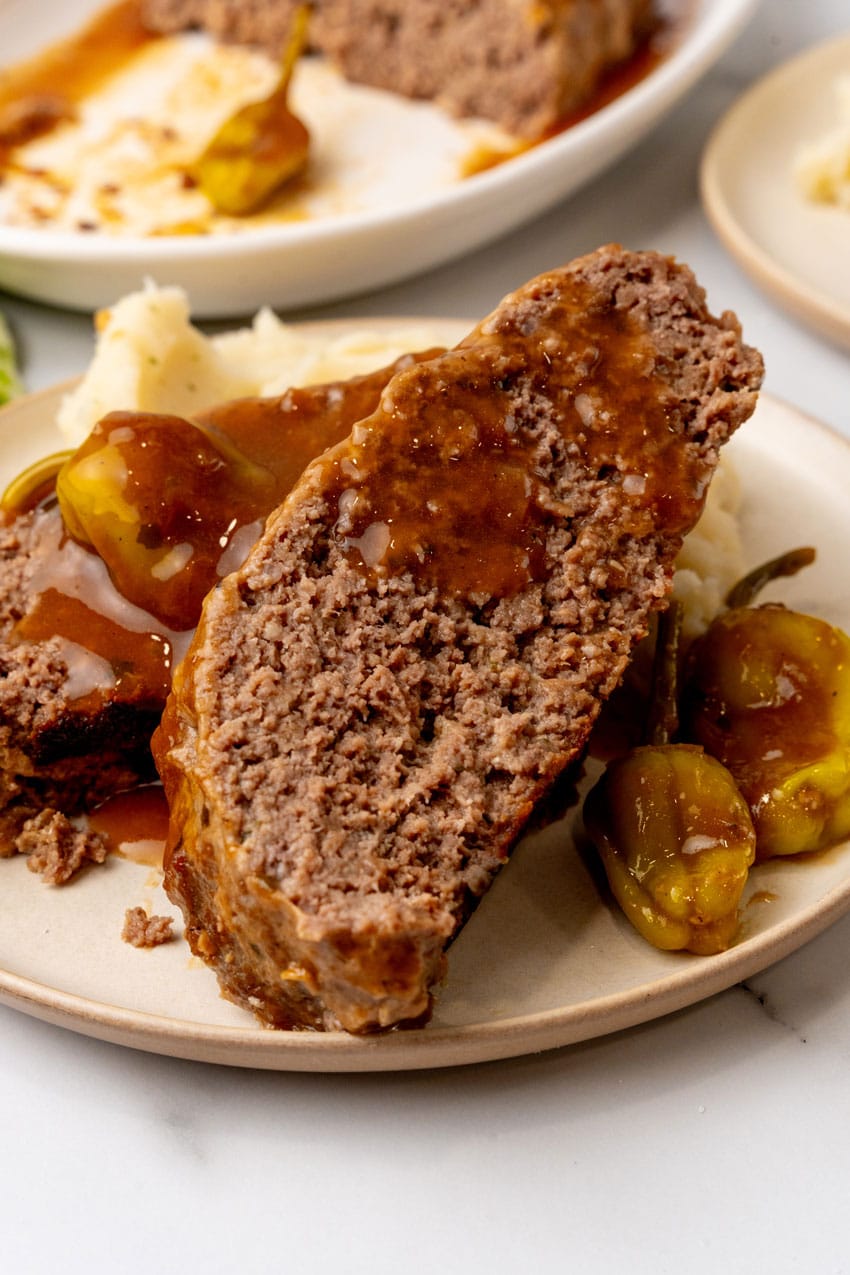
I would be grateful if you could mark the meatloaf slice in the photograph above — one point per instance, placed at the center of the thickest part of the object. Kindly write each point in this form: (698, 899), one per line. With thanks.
(522, 63)
(73, 728)
(420, 642)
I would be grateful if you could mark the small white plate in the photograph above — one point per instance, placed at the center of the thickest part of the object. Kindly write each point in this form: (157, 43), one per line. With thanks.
(797, 250)
(547, 960)
(356, 249)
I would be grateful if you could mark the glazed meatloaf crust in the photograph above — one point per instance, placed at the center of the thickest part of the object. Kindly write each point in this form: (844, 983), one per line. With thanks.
(523, 63)
(420, 642)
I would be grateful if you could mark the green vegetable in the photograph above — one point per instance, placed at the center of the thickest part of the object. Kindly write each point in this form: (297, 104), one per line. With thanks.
(10, 381)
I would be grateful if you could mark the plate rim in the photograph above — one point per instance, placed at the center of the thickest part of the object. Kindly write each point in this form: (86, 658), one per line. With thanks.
(693, 979)
(821, 311)
(427, 1048)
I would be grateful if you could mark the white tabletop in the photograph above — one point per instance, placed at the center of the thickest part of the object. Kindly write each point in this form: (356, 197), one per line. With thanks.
(712, 1140)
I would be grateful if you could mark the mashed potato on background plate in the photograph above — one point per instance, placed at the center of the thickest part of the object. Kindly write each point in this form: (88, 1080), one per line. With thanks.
(822, 166)
(149, 356)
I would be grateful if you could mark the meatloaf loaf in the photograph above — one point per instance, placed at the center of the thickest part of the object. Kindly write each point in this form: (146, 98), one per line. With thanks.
(523, 63)
(421, 641)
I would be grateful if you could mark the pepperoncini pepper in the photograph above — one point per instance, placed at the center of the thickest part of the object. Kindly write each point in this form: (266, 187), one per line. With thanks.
(767, 692)
(260, 147)
(161, 501)
(676, 840)
(673, 832)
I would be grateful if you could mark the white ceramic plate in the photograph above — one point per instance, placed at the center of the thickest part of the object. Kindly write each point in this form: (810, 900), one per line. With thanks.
(798, 251)
(361, 248)
(546, 961)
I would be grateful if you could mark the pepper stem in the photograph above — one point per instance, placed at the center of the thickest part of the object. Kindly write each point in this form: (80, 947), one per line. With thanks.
(662, 719)
(745, 592)
(295, 44)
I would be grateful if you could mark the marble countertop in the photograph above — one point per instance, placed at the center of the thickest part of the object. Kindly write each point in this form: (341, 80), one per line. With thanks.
(710, 1140)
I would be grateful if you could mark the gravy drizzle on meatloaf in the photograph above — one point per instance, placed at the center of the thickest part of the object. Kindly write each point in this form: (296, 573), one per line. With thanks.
(445, 481)
(367, 716)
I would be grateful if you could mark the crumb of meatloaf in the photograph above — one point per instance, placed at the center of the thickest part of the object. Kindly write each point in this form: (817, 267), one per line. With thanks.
(142, 930)
(57, 848)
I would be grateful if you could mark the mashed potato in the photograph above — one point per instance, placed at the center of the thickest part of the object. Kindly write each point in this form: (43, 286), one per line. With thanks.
(712, 557)
(822, 168)
(150, 357)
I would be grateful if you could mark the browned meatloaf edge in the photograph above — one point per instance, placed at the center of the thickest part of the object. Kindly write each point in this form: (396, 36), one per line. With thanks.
(522, 63)
(58, 754)
(350, 757)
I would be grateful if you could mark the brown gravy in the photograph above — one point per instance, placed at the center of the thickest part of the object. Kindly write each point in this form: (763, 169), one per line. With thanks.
(648, 56)
(116, 651)
(45, 90)
(441, 482)
(135, 824)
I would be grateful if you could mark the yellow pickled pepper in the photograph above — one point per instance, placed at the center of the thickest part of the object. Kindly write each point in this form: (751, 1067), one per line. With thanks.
(673, 831)
(768, 693)
(261, 146)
